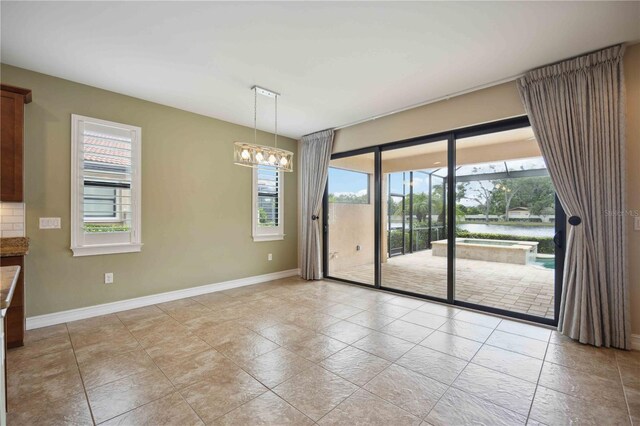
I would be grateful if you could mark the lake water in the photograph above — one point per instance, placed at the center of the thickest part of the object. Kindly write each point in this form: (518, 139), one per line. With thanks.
(527, 231)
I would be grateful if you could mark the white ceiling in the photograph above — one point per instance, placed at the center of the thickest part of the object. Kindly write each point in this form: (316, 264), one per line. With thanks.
(334, 63)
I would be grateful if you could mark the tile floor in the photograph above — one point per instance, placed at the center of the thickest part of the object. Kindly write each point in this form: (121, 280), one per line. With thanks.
(526, 289)
(295, 352)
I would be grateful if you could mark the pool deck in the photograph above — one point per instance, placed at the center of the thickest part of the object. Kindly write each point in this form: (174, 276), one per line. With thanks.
(526, 289)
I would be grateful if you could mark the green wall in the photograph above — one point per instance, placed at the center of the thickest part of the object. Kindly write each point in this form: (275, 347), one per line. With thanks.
(196, 204)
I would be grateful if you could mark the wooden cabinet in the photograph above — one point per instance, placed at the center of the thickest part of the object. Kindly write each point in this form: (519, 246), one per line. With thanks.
(14, 321)
(12, 141)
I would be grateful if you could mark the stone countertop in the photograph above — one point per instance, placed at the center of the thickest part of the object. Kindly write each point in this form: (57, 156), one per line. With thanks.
(18, 246)
(8, 279)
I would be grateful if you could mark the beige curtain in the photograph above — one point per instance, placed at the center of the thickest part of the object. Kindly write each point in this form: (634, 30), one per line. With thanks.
(315, 153)
(576, 109)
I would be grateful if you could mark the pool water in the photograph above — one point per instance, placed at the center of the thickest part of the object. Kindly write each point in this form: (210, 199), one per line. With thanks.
(546, 262)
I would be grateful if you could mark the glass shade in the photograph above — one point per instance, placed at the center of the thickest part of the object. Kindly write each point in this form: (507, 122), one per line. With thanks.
(251, 155)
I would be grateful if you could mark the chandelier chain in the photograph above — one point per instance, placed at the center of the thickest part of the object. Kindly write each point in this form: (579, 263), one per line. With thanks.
(276, 129)
(255, 115)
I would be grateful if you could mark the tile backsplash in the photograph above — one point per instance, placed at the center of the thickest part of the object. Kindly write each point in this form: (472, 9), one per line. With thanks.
(11, 220)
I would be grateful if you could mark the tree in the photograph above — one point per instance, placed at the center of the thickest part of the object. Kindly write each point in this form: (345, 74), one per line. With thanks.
(482, 193)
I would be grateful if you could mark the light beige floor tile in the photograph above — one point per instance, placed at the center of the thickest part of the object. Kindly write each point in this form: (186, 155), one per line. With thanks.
(437, 365)
(213, 300)
(587, 359)
(169, 350)
(342, 311)
(107, 346)
(551, 407)
(215, 397)
(190, 312)
(115, 398)
(355, 365)
(195, 367)
(479, 319)
(425, 319)
(408, 331)
(389, 310)
(71, 409)
(364, 408)
(383, 345)
(31, 336)
(171, 410)
(315, 391)
(203, 325)
(346, 332)
(526, 330)
(48, 364)
(133, 316)
(506, 391)
(40, 347)
(100, 371)
(452, 345)
(287, 334)
(317, 348)
(520, 344)
(438, 309)
(93, 323)
(467, 330)
(460, 408)
(406, 302)
(514, 364)
(267, 409)
(314, 321)
(246, 347)
(412, 392)
(259, 322)
(39, 384)
(221, 333)
(633, 401)
(371, 320)
(275, 367)
(576, 383)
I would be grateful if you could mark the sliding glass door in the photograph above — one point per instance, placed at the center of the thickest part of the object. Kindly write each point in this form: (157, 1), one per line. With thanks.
(350, 219)
(468, 217)
(414, 219)
(505, 224)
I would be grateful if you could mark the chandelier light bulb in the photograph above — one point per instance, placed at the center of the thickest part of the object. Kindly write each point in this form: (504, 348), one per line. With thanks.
(272, 159)
(259, 156)
(245, 154)
(284, 161)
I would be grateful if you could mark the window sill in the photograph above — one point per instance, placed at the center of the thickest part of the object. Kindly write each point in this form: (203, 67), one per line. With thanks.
(258, 238)
(106, 249)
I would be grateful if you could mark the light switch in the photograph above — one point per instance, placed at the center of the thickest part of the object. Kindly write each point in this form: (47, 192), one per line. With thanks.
(636, 223)
(50, 223)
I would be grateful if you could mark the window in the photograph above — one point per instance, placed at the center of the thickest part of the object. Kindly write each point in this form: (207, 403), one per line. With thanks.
(348, 186)
(268, 220)
(105, 187)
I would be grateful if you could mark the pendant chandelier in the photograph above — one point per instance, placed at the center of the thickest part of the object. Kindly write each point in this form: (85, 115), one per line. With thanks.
(254, 155)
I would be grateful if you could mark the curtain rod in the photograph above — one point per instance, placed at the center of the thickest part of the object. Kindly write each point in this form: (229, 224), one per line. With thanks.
(472, 89)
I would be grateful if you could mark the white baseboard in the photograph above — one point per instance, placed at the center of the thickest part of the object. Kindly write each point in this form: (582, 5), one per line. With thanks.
(635, 342)
(124, 305)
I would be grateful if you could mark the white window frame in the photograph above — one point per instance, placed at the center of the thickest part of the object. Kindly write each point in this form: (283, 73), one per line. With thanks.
(272, 233)
(83, 244)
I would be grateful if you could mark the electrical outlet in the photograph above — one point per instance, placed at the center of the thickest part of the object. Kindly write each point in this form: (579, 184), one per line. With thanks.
(49, 223)
(108, 278)
(270, 257)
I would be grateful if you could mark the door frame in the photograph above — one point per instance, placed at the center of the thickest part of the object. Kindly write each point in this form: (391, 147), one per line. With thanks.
(451, 137)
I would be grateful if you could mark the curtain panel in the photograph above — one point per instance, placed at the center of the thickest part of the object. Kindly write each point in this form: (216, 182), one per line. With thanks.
(315, 153)
(576, 109)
